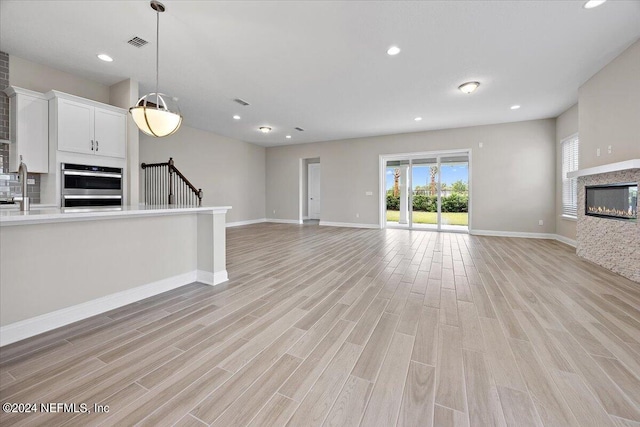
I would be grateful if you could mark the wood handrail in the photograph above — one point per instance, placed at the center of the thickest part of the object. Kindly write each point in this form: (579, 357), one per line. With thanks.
(151, 165)
(186, 181)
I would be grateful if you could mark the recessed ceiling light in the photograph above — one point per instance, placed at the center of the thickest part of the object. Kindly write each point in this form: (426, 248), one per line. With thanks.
(515, 107)
(469, 87)
(264, 129)
(105, 57)
(236, 117)
(417, 119)
(393, 50)
(593, 3)
(288, 136)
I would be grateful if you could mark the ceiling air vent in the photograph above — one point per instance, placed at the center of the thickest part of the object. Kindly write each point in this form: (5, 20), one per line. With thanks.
(241, 102)
(300, 129)
(137, 41)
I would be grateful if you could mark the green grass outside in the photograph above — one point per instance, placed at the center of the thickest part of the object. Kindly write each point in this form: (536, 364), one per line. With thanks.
(450, 218)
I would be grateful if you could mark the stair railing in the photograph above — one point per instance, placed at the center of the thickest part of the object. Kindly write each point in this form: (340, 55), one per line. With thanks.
(165, 184)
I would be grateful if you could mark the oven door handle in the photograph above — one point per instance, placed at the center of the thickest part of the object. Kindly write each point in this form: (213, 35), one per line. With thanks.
(96, 174)
(90, 197)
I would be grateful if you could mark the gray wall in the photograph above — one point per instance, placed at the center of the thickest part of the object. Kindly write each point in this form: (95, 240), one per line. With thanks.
(566, 125)
(40, 78)
(610, 111)
(230, 172)
(513, 175)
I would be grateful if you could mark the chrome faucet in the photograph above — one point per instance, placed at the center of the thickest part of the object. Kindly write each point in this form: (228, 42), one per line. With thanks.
(22, 176)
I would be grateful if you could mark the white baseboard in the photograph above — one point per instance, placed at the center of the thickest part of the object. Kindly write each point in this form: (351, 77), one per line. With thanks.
(284, 221)
(566, 240)
(46, 322)
(247, 222)
(348, 224)
(497, 233)
(549, 236)
(209, 278)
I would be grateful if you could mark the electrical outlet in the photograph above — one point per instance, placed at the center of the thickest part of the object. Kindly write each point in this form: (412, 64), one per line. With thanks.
(609, 149)
(480, 144)
(31, 181)
(540, 222)
(597, 152)
(369, 193)
(274, 211)
(357, 215)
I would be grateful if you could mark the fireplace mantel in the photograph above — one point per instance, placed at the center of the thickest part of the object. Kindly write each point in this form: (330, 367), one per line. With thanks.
(611, 167)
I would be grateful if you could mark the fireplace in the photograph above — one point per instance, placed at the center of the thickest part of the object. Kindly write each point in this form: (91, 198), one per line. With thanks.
(607, 238)
(613, 201)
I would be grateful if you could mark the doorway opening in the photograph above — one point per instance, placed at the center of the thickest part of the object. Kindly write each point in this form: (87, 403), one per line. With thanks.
(310, 200)
(426, 191)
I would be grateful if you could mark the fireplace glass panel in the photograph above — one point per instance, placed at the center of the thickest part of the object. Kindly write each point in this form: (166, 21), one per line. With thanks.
(616, 201)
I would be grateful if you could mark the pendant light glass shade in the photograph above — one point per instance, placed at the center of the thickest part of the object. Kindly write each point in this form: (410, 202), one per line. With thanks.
(154, 115)
(157, 114)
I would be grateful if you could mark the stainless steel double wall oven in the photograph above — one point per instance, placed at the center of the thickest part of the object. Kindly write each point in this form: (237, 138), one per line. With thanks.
(85, 186)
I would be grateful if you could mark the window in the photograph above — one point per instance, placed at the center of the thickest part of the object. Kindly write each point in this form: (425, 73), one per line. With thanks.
(570, 185)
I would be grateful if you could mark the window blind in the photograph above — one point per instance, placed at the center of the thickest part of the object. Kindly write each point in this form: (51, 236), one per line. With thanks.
(570, 185)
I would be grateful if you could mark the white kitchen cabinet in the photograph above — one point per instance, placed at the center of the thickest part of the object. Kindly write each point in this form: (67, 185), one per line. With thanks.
(110, 133)
(88, 127)
(28, 130)
(75, 127)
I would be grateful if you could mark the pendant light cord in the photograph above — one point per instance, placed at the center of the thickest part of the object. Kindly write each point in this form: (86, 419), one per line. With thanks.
(157, 57)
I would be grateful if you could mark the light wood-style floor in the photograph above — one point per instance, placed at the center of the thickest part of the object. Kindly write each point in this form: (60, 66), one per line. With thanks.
(345, 327)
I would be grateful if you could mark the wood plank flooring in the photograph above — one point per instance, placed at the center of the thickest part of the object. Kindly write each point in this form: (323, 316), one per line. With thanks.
(323, 326)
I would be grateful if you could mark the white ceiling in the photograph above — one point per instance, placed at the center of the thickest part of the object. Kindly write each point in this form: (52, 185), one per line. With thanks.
(322, 65)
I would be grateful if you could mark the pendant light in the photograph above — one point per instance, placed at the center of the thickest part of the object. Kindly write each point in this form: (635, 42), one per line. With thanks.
(157, 114)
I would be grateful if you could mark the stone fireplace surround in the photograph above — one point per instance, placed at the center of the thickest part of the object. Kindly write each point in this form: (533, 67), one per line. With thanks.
(610, 243)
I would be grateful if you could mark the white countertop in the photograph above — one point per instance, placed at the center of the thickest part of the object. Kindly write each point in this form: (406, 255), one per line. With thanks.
(48, 215)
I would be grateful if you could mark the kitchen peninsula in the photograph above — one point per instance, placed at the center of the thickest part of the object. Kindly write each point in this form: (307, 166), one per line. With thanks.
(58, 266)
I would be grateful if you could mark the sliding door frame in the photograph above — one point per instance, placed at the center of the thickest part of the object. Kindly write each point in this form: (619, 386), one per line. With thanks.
(382, 202)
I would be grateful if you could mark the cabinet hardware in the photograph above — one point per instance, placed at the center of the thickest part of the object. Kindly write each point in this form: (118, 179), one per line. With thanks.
(92, 145)
(97, 146)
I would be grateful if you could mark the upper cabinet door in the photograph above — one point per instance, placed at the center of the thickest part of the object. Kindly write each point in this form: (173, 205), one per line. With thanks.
(29, 133)
(75, 127)
(110, 133)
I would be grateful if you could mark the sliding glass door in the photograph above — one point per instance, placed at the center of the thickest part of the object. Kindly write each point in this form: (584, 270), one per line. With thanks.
(397, 183)
(428, 191)
(454, 193)
(424, 204)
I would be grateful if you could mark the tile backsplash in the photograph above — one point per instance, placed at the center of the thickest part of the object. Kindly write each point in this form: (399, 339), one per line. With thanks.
(4, 100)
(9, 184)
